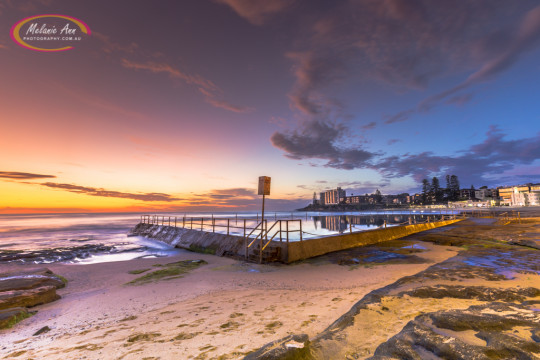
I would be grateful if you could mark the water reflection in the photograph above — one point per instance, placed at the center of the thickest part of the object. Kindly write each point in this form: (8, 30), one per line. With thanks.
(343, 223)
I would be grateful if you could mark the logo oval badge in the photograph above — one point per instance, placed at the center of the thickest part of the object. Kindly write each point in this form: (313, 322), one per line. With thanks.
(49, 32)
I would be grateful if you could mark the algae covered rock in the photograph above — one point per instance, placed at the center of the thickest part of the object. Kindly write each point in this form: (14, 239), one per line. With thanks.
(27, 288)
(490, 331)
(28, 298)
(9, 317)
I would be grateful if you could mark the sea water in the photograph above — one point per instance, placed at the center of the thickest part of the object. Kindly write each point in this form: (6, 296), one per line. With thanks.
(90, 238)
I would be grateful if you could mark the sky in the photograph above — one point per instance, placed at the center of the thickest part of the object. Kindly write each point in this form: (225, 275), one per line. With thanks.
(178, 105)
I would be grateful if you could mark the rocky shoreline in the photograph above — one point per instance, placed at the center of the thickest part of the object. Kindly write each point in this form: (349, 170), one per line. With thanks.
(481, 304)
(20, 290)
(463, 291)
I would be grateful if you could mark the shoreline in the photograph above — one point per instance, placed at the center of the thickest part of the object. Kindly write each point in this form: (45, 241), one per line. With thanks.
(227, 308)
(233, 306)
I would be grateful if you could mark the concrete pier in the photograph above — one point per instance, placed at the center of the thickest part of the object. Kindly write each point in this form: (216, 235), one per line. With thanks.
(286, 252)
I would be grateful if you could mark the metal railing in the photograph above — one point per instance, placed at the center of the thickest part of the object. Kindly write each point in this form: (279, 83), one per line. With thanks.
(257, 232)
(250, 232)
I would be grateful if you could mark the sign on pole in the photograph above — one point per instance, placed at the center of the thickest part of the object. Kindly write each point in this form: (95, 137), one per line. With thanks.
(264, 185)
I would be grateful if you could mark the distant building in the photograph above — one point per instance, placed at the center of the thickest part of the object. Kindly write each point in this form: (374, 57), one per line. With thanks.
(334, 197)
(358, 199)
(467, 194)
(485, 194)
(396, 199)
(321, 199)
(520, 195)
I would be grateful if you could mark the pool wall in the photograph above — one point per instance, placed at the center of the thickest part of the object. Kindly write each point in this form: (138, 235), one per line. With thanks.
(230, 245)
(306, 249)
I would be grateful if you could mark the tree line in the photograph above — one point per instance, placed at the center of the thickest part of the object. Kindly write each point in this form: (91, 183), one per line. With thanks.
(432, 192)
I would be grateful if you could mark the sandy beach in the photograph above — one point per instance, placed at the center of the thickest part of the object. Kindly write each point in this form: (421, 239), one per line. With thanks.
(223, 309)
(226, 308)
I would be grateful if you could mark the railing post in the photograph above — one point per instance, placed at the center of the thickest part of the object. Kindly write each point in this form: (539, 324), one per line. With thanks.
(280, 236)
(300, 230)
(213, 224)
(175, 221)
(287, 229)
(350, 227)
(169, 221)
(245, 232)
(202, 222)
(228, 222)
(192, 222)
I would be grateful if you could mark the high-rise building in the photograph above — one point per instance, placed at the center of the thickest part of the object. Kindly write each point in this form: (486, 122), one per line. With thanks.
(334, 197)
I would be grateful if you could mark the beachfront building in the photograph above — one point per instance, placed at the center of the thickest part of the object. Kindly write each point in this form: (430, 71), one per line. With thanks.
(359, 199)
(467, 194)
(334, 197)
(520, 195)
(396, 199)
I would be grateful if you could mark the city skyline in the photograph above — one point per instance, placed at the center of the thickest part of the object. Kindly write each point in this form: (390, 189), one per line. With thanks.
(181, 105)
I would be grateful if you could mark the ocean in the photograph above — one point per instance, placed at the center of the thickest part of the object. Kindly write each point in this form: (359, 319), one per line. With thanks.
(91, 238)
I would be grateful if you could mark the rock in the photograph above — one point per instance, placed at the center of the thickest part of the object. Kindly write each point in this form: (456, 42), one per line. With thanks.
(491, 324)
(9, 317)
(29, 279)
(35, 271)
(481, 293)
(26, 282)
(42, 331)
(53, 255)
(28, 298)
(535, 244)
(289, 347)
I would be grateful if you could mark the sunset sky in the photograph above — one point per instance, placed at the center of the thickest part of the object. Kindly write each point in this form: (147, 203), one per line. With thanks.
(178, 105)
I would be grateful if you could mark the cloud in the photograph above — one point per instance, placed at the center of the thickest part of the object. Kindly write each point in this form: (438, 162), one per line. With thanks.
(479, 163)
(257, 11)
(2, 46)
(209, 97)
(210, 91)
(227, 197)
(319, 140)
(243, 192)
(172, 72)
(408, 44)
(108, 193)
(242, 198)
(459, 100)
(521, 40)
(369, 126)
(393, 141)
(23, 175)
(110, 46)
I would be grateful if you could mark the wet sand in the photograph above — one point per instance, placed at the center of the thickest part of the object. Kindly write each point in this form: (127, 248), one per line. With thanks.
(223, 309)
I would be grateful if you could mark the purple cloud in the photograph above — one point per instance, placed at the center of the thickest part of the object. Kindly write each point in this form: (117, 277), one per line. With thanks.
(108, 193)
(23, 175)
(520, 41)
(319, 140)
(482, 161)
(257, 11)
